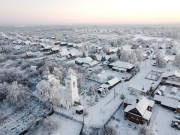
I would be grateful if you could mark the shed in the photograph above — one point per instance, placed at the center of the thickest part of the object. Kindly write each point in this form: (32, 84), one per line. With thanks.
(174, 90)
(79, 109)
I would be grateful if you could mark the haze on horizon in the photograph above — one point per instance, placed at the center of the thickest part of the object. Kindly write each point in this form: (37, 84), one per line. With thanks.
(55, 12)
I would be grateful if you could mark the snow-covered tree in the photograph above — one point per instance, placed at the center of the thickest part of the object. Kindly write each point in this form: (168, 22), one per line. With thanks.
(103, 59)
(56, 72)
(132, 57)
(44, 90)
(160, 62)
(144, 130)
(91, 90)
(84, 55)
(17, 94)
(124, 56)
(3, 91)
(177, 60)
(97, 98)
(108, 130)
(139, 55)
(119, 53)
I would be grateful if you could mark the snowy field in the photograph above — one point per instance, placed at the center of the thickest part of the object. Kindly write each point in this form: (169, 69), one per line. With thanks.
(150, 38)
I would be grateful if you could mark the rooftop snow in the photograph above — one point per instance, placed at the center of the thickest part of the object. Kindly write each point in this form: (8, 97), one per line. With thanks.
(121, 64)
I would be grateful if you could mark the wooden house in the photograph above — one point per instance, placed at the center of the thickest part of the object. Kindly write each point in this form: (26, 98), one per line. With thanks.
(140, 112)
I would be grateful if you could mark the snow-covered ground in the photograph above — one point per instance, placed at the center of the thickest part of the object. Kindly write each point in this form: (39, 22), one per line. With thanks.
(160, 123)
(99, 113)
(64, 126)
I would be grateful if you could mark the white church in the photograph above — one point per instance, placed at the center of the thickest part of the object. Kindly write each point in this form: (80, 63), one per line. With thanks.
(64, 96)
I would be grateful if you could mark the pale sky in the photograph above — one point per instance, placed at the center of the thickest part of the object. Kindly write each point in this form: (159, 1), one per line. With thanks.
(56, 12)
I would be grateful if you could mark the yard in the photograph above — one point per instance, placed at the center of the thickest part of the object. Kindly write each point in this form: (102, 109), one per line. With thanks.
(63, 127)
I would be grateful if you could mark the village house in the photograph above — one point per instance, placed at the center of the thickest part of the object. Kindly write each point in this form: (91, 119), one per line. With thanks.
(63, 43)
(55, 49)
(109, 84)
(86, 62)
(140, 112)
(167, 102)
(121, 66)
(171, 79)
(70, 44)
(64, 52)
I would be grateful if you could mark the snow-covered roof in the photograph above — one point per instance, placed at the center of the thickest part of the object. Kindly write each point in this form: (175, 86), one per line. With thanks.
(62, 43)
(178, 106)
(98, 47)
(169, 102)
(158, 98)
(87, 60)
(84, 60)
(166, 101)
(79, 107)
(121, 64)
(147, 115)
(71, 44)
(173, 96)
(47, 46)
(18, 47)
(75, 52)
(142, 105)
(130, 100)
(174, 89)
(136, 87)
(27, 42)
(113, 81)
(173, 82)
(28, 53)
(55, 48)
(173, 73)
(162, 88)
(112, 49)
(120, 69)
(64, 52)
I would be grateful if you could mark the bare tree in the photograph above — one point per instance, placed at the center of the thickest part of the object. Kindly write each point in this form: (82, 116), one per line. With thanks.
(108, 130)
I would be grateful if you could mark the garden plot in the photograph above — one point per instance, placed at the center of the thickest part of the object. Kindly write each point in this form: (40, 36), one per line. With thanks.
(154, 75)
(88, 83)
(104, 76)
(14, 122)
